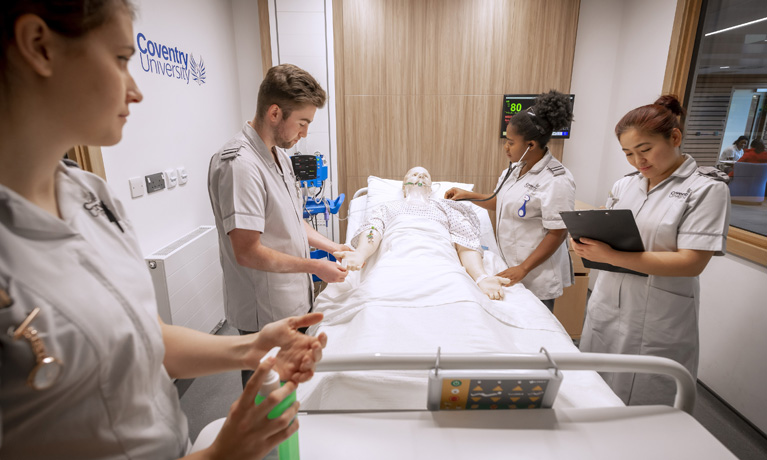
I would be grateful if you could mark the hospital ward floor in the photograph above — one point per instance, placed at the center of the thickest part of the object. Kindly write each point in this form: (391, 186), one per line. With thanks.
(208, 398)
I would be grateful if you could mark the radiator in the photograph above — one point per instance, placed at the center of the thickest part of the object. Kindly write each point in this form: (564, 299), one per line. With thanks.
(187, 281)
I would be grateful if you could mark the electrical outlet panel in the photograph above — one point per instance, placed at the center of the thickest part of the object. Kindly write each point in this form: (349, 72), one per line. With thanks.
(154, 182)
(137, 188)
(182, 175)
(171, 178)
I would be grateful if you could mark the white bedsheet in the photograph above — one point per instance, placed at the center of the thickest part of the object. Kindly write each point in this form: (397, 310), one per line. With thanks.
(414, 296)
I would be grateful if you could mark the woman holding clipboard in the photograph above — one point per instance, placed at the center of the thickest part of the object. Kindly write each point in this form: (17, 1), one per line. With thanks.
(682, 212)
(530, 195)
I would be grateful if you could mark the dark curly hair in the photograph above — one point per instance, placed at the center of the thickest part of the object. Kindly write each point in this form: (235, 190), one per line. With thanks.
(551, 111)
(660, 117)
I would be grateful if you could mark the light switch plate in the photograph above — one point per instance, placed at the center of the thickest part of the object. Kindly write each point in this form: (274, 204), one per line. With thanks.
(182, 175)
(171, 179)
(154, 182)
(137, 188)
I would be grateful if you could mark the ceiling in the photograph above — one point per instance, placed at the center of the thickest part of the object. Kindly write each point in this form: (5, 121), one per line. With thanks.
(739, 51)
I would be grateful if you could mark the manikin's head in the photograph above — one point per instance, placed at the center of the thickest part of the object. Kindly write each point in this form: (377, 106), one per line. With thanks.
(417, 180)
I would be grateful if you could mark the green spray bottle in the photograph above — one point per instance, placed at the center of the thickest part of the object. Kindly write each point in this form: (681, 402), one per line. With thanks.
(288, 449)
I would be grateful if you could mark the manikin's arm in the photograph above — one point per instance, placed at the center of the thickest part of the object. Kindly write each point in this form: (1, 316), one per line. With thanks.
(366, 247)
(471, 260)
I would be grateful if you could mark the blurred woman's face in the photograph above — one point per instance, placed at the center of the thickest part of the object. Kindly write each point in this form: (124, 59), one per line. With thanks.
(93, 81)
(653, 155)
(515, 145)
(741, 144)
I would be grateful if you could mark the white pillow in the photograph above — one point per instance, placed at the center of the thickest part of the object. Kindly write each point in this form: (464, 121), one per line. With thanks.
(383, 190)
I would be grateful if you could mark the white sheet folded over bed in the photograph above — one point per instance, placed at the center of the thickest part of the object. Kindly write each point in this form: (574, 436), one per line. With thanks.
(414, 296)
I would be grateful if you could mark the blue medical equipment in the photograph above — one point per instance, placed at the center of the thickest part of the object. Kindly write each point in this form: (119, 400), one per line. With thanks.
(312, 172)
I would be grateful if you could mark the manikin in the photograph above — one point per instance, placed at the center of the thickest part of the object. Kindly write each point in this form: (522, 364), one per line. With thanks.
(460, 222)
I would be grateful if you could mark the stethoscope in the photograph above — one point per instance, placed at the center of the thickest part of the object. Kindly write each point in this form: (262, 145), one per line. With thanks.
(508, 173)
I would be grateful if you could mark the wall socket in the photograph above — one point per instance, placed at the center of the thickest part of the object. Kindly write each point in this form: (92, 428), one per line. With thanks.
(137, 188)
(154, 182)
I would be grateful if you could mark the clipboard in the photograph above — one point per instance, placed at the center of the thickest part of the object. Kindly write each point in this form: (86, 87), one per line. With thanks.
(615, 227)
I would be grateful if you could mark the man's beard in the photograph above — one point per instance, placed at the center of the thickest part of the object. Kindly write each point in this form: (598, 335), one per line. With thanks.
(279, 139)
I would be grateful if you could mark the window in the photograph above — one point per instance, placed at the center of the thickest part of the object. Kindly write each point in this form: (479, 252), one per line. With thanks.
(726, 99)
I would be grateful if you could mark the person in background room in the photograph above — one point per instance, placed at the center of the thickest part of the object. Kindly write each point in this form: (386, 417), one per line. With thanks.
(682, 212)
(735, 151)
(531, 235)
(263, 238)
(85, 363)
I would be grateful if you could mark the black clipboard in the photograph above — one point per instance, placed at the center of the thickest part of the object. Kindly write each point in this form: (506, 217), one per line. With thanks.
(615, 227)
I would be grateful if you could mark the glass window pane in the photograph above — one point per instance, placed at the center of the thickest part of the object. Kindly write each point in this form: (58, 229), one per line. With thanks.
(726, 120)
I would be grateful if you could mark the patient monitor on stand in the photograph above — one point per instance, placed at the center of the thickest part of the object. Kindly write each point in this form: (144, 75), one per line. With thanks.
(312, 173)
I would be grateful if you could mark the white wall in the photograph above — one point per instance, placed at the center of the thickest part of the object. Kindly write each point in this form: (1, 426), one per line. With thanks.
(247, 42)
(178, 123)
(620, 60)
(733, 342)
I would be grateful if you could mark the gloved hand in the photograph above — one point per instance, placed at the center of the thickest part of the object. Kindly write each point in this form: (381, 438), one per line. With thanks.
(492, 286)
(354, 259)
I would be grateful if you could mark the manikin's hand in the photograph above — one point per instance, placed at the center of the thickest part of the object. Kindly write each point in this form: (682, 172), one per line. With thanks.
(299, 352)
(492, 286)
(330, 272)
(593, 250)
(354, 260)
(456, 194)
(247, 432)
(513, 274)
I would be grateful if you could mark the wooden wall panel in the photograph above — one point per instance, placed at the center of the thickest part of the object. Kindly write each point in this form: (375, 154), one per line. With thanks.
(421, 82)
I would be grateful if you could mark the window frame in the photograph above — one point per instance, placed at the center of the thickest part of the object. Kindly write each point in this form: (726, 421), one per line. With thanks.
(677, 80)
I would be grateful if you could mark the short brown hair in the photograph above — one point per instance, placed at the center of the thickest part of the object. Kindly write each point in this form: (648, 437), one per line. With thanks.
(290, 87)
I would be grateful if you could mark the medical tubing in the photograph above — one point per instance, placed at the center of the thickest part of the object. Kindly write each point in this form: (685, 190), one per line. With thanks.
(602, 362)
(508, 173)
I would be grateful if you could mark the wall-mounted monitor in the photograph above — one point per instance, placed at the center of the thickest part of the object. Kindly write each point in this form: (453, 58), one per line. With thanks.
(513, 103)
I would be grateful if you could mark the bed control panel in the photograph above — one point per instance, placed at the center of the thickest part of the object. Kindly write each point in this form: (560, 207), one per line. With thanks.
(492, 389)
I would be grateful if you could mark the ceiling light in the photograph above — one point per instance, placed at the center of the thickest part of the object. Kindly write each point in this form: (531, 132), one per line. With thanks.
(724, 67)
(736, 27)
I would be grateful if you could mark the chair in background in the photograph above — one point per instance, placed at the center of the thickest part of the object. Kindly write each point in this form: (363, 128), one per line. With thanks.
(748, 183)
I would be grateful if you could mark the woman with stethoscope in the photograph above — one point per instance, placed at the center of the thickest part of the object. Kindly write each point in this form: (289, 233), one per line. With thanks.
(528, 199)
(682, 213)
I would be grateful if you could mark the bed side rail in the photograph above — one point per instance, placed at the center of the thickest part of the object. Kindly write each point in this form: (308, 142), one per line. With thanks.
(602, 362)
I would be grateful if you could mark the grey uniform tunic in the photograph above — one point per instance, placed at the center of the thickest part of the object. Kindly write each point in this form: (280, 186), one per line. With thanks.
(658, 315)
(114, 399)
(527, 208)
(249, 191)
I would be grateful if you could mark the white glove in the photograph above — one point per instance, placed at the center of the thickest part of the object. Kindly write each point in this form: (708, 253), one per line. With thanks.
(492, 286)
(354, 259)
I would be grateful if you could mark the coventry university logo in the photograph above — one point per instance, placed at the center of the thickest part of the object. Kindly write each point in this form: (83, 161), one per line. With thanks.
(169, 62)
(197, 70)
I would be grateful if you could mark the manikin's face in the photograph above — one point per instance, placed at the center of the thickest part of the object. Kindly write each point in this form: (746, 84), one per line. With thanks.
(653, 155)
(288, 132)
(95, 78)
(417, 178)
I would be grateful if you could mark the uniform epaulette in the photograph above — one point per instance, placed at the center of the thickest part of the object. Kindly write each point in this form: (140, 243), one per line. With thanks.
(632, 173)
(712, 172)
(231, 150)
(556, 169)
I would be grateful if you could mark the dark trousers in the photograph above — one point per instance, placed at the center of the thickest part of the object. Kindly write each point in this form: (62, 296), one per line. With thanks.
(549, 304)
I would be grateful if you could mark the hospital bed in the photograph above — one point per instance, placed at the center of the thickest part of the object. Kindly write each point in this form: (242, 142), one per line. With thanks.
(368, 398)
